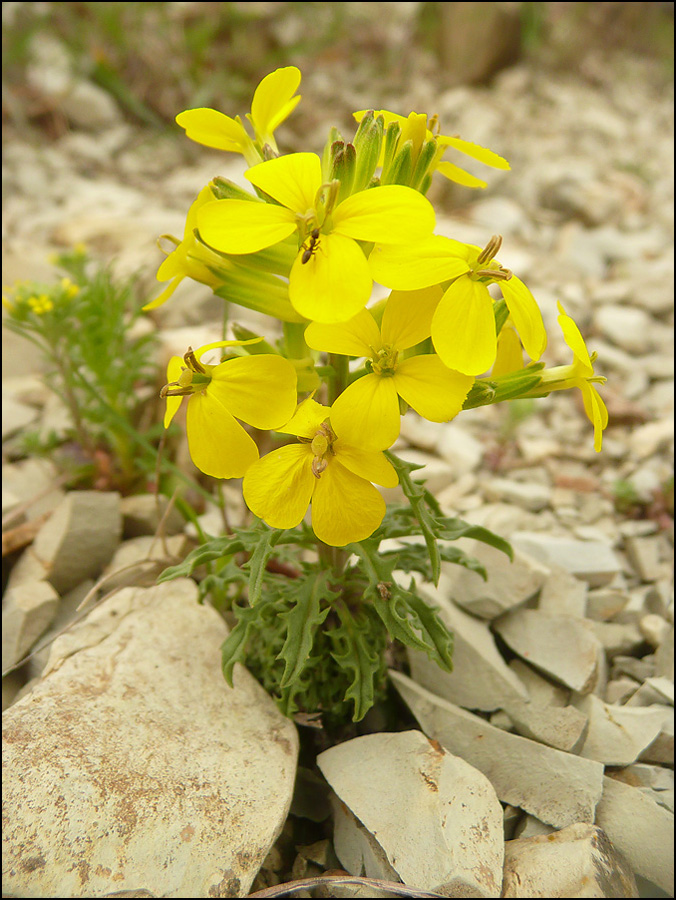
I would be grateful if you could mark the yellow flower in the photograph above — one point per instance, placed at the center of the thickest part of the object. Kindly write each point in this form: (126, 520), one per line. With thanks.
(260, 390)
(368, 410)
(324, 468)
(272, 103)
(71, 290)
(330, 279)
(41, 305)
(418, 129)
(463, 327)
(579, 374)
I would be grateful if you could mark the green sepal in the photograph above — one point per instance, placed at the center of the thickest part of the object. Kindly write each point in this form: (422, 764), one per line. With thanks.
(225, 189)
(401, 170)
(368, 141)
(343, 165)
(241, 333)
(513, 385)
(426, 156)
(334, 136)
(501, 313)
(392, 135)
(302, 620)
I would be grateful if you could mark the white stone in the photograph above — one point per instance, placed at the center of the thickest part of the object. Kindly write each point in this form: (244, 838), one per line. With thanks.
(577, 861)
(480, 678)
(654, 690)
(558, 788)
(459, 448)
(27, 612)
(142, 514)
(134, 741)
(510, 582)
(654, 629)
(626, 326)
(617, 735)
(561, 646)
(640, 829)
(648, 439)
(591, 561)
(563, 593)
(79, 538)
(529, 495)
(451, 837)
(604, 603)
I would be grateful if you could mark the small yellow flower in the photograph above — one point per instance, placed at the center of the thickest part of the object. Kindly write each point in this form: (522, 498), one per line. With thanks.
(272, 103)
(418, 129)
(368, 410)
(259, 390)
(463, 327)
(330, 279)
(41, 305)
(579, 374)
(70, 289)
(332, 473)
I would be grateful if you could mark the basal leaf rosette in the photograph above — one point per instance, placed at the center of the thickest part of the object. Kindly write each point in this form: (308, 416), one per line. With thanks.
(330, 280)
(324, 469)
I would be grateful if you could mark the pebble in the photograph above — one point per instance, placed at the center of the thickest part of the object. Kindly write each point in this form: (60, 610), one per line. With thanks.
(617, 735)
(27, 611)
(591, 561)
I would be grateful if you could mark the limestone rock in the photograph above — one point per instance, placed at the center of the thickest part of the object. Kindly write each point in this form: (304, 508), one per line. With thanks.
(640, 829)
(142, 513)
(143, 768)
(577, 861)
(591, 561)
(79, 538)
(27, 612)
(562, 646)
(617, 735)
(451, 838)
(558, 788)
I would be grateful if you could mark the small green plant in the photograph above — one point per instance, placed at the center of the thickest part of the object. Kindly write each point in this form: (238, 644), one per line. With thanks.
(82, 325)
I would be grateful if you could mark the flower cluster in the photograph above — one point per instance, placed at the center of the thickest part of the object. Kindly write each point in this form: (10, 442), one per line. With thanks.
(305, 246)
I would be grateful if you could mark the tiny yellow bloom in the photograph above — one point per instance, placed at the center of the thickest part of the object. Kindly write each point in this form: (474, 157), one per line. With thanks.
(259, 390)
(417, 128)
(70, 289)
(332, 473)
(579, 374)
(272, 103)
(330, 279)
(463, 327)
(41, 305)
(368, 410)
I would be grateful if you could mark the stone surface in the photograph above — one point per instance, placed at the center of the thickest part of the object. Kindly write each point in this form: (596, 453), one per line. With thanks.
(144, 768)
(79, 538)
(640, 829)
(591, 561)
(617, 735)
(27, 612)
(558, 788)
(577, 861)
(142, 513)
(451, 838)
(562, 646)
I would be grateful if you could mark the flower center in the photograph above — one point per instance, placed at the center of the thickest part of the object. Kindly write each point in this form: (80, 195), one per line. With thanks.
(193, 378)
(486, 267)
(322, 446)
(384, 361)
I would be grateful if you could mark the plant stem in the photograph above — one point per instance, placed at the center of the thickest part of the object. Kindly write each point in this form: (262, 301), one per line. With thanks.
(338, 383)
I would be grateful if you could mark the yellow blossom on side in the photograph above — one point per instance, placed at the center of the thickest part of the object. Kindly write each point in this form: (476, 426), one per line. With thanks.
(323, 468)
(41, 305)
(368, 409)
(259, 390)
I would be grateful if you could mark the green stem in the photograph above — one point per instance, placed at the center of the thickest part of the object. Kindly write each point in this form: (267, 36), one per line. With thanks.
(338, 383)
(294, 340)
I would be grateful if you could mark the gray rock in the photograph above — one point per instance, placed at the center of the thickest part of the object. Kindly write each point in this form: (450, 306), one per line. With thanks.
(604, 603)
(644, 555)
(142, 513)
(563, 647)
(480, 678)
(577, 861)
(617, 735)
(640, 829)
(509, 584)
(563, 594)
(177, 781)
(27, 612)
(32, 481)
(558, 788)
(654, 690)
(591, 561)
(15, 416)
(459, 448)
(655, 629)
(528, 495)
(451, 838)
(619, 690)
(79, 538)
(628, 327)
(618, 638)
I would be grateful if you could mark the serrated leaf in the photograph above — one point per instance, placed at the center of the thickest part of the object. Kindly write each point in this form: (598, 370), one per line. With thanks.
(302, 619)
(437, 634)
(258, 561)
(358, 657)
(450, 529)
(234, 646)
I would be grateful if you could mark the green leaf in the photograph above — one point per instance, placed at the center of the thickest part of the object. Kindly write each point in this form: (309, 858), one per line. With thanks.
(434, 630)
(302, 620)
(258, 561)
(234, 647)
(355, 653)
(449, 529)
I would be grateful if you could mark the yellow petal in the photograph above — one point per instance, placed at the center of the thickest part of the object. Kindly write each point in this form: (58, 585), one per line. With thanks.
(366, 414)
(509, 356)
(407, 319)
(273, 99)
(260, 390)
(596, 410)
(420, 264)
(459, 176)
(526, 316)
(345, 508)
(373, 466)
(174, 368)
(213, 129)
(240, 226)
(306, 420)
(391, 214)
(482, 154)
(218, 445)
(335, 283)
(572, 336)
(358, 336)
(432, 390)
(279, 486)
(463, 328)
(292, 180)
(165, 295)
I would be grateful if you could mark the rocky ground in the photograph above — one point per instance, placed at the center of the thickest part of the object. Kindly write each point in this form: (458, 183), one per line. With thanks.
(555, 732)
